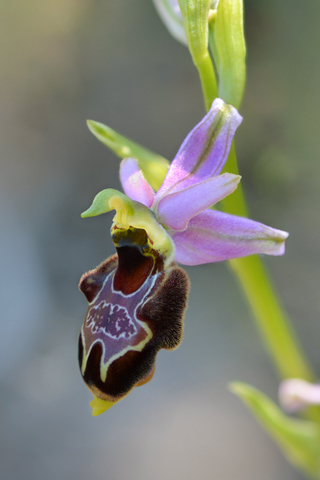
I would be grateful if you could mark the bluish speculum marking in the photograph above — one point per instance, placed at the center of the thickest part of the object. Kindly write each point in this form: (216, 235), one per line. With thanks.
(112, 321)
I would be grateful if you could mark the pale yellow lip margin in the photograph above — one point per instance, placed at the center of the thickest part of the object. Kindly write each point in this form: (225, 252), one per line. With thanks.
(99, 405)
(104, 366)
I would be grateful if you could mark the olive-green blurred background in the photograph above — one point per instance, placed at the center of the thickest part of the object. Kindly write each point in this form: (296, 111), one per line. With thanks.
(113, 61)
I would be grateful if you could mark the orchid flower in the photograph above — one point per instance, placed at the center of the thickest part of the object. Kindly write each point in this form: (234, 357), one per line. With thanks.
(296, 394)
(137, 298)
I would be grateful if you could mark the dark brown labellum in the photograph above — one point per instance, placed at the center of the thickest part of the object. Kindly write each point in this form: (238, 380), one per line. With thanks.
(136, 307)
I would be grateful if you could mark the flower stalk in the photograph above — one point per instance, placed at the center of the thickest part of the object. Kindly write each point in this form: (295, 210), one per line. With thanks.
(227, 43)
(224, 33)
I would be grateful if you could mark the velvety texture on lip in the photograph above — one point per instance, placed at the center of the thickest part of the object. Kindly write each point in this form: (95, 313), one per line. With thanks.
(136, 307)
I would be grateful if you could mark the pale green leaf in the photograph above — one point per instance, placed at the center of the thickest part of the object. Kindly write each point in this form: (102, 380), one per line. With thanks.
(298, 439)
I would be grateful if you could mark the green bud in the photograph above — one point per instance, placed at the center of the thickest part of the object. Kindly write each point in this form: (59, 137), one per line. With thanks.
(153, 166)
(229, 50)
(195, 16)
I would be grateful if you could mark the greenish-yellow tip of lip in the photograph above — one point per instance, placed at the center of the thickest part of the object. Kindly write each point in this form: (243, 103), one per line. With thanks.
(100, 406)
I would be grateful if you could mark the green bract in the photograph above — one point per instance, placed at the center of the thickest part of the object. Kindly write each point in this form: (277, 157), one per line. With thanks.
(229, 50)
(298, 439)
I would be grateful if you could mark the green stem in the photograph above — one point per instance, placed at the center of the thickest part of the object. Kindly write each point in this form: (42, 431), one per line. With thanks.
(271, 320)
(208, 80)
(235, 203)
(269, 315)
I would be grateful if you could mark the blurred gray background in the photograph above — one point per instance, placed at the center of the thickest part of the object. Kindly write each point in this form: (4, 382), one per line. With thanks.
(113, 61)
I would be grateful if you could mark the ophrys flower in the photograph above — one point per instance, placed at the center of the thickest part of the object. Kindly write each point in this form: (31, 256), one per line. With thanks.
(137, 298)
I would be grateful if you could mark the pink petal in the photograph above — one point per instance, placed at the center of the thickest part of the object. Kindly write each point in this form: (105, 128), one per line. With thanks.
(214, 236)
(134, 184)
(176, 209)
(204, 151)
(296, 394)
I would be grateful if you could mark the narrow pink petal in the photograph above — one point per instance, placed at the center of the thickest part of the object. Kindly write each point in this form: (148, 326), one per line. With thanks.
(204, 151)
(134, 184)
(214, 236)
(176, 209)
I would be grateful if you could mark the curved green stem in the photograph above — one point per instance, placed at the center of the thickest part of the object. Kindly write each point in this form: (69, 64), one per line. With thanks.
(270, 318)
(208, 80)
